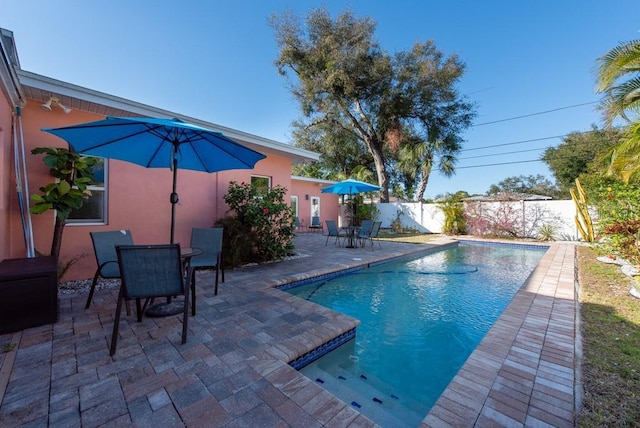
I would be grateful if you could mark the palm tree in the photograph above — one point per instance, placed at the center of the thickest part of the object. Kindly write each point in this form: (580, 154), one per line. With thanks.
(619, 80)
(418, 159)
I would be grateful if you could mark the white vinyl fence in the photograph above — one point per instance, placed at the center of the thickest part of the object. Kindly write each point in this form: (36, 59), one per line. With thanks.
(428, 218)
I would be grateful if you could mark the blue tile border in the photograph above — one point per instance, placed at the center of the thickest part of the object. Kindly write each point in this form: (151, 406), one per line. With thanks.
(323, 349)
(331, 275)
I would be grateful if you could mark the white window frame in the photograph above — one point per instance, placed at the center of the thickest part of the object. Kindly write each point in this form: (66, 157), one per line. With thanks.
(105, 200)
(295, 201)
(314, 201)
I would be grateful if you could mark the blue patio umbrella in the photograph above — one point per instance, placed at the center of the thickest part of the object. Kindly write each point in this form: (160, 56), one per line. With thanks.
(159, 143)
(350, 187)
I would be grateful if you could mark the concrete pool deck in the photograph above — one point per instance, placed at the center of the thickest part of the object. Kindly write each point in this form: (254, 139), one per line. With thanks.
(233, 370)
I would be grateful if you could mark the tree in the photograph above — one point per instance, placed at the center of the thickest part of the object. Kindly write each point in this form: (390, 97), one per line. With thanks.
(73, 172)
(347, 85)
(576, 154)
(619, 80)
(531, 184)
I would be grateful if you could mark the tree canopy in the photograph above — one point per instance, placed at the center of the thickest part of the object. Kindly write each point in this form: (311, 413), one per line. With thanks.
(363, 107)
(578, 154)
(531, 184)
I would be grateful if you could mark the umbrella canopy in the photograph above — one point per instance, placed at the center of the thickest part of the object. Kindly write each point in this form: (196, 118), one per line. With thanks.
(350, 187)
(159, 143)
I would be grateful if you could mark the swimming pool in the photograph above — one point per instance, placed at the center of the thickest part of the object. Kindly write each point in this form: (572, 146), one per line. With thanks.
(420, 320)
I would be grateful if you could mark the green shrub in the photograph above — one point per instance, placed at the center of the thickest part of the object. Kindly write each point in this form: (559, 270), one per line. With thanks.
(455, 222)
(260, 226)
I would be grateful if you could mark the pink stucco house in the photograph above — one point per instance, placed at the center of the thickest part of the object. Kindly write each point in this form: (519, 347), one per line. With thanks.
(131, 197)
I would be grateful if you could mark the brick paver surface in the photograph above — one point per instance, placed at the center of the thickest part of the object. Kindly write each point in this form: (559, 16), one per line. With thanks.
(233, 369)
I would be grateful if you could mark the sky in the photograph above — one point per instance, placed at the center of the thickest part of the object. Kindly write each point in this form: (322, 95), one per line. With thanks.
(529, 64)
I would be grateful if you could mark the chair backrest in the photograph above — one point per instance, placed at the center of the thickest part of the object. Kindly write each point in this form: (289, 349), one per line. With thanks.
(375, 228)
(150, 270)
(365, 228)
(315, 221)
(332, 227)
(209, 240)
(104, 247)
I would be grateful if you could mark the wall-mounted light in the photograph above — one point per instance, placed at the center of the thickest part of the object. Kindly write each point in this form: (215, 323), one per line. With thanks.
(306, 197)
(53, 101)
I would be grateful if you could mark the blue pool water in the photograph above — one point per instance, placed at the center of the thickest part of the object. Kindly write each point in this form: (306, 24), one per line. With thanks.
(420, 320)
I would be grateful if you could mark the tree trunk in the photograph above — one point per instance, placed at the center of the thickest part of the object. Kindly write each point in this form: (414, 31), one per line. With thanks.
(422, 186)
(378, 159)
(57, 238)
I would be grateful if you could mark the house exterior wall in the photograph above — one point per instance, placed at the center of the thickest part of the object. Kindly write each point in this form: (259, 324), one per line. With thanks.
(328, 201)
(138, 197)
(7, 183)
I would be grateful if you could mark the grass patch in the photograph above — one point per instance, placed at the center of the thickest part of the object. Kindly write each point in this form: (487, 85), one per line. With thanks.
(611, 344)
(7, 347)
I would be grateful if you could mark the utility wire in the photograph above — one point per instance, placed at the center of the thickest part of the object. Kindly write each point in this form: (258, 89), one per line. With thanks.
(515, 142)
(534, 114)
(506, 153)
(497, 164)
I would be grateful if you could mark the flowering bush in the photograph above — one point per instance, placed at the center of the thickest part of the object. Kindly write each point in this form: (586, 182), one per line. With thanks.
(261, 227)
(496, 219)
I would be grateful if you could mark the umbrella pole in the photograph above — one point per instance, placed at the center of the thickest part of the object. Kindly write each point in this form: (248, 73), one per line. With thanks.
(174, 197)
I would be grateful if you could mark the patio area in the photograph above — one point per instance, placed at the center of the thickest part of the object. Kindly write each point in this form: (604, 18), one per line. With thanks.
(234, 371)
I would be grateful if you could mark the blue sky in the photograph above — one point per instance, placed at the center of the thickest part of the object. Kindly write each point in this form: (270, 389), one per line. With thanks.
(214, 60)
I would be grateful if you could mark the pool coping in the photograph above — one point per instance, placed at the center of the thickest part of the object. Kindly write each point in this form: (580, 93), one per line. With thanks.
(523, 372)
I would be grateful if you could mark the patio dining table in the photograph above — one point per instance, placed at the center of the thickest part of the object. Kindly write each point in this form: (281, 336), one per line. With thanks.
(352, 232)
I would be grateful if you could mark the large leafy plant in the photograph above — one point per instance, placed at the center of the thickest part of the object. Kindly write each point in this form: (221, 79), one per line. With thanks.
(261, 226)
(72, 173)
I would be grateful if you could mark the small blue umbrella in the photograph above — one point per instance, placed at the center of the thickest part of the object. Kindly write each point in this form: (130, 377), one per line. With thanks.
(350, 187)
(159, 143)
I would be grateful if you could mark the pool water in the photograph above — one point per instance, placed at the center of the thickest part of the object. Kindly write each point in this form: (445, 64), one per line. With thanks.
(420, 320)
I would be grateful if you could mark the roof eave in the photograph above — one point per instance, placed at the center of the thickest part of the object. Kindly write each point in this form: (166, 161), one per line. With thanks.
(85, 95)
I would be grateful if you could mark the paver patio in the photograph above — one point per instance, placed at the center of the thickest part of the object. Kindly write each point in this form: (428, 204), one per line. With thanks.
(233, 370)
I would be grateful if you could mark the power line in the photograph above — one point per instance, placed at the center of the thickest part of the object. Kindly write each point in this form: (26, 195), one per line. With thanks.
(515, 142)
(497, 164)
(534, 114)
(506, 153)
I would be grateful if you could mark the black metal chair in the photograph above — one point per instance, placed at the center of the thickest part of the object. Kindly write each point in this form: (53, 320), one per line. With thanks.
(373, 234)
(149, 271)
(104, 247)
(209, 240)
(316, 224)
(364, 231)
(332, 230)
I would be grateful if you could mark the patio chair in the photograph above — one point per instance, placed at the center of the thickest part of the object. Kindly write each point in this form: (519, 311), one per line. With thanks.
(332, 230)
(373, 234)
(104, 247)
(315, 223)
(147, 272)
(209, 240)
(365, 231)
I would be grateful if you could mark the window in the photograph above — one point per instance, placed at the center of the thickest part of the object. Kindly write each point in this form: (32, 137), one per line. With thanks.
(260, 183)
(315, 206)
(94, 209)
(294, 205)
